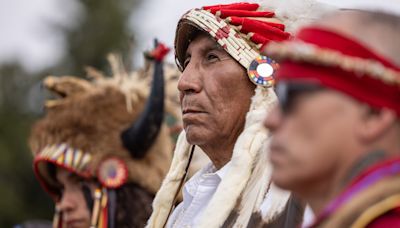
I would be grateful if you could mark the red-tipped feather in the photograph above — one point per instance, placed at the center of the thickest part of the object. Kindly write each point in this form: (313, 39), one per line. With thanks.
(242, 13)
(234, 6)
(264, 29)
(259, 39)
(239, 21)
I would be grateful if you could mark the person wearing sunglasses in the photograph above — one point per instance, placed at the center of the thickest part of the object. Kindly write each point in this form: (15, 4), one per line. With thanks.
(336, 131)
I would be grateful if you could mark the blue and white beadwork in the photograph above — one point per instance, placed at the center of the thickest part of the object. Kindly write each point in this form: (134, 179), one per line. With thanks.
(261, 71)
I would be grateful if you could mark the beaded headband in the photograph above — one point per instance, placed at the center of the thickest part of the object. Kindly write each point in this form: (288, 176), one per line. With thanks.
(241, 30)
(112, 172)
(61, 155)
(341, 63)
(228, 38)
(304, 52)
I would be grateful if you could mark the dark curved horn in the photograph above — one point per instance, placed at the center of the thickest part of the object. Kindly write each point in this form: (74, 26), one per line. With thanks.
(141, 135)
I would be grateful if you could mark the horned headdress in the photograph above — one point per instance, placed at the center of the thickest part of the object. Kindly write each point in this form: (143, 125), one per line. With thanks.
(109, 130)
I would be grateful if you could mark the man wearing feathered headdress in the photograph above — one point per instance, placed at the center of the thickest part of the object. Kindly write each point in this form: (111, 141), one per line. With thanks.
(226, 89)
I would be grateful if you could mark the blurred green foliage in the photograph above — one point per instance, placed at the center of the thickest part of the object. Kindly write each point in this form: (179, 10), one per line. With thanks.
(103, 28)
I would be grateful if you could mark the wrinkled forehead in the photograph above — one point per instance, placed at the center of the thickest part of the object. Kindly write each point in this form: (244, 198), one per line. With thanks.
(202, 42)
(194, 40)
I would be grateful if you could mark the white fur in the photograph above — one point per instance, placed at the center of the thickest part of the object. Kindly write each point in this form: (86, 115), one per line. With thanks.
(164, 199)
(241, 179)
(297, 13)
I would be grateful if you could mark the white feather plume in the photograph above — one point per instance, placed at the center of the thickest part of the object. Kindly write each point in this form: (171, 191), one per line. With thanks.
(296, 13)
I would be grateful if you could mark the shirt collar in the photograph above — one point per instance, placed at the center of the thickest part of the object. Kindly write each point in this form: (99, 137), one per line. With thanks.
(206, 172)
(222, 171)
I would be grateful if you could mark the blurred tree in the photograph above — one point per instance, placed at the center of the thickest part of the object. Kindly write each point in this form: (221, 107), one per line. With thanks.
(21, 196)
(103, 28)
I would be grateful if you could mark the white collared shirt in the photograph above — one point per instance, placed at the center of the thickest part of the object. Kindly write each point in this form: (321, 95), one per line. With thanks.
(197, 193)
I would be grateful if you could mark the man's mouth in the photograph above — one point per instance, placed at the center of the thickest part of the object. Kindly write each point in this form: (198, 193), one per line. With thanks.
(191, 111)
(276, 152)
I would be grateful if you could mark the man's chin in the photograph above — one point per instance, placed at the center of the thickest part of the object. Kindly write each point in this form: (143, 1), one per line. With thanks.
(193, 137)
(281, 181)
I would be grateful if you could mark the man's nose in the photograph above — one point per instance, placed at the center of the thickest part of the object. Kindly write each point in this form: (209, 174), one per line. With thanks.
(190, 80)
(273, 119)
(67, 202)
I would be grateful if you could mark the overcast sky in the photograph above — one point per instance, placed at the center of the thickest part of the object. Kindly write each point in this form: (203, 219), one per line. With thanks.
(26, 37)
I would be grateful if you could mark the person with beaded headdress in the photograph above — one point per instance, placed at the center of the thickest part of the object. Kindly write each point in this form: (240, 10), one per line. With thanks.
(335, 135)
(226, 89)
(102, 150)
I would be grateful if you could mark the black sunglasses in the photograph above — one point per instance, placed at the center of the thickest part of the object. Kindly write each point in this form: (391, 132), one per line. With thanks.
(288, 92)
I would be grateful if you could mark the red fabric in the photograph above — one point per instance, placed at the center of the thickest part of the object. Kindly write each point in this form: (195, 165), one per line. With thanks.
(245, 16)
(258, 39)
(373, 168)
(370, 177)
(367, 89)
(239, 21)
(389, 219)
(346, 45)
(234, 6)
(242, 13)
(159, 52)
(268, 31)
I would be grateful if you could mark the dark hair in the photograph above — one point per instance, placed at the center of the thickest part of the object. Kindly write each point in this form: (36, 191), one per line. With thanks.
(133, 206)
(133, 203)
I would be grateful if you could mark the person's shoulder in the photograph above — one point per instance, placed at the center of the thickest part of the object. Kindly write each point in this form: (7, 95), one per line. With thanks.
(388, 219)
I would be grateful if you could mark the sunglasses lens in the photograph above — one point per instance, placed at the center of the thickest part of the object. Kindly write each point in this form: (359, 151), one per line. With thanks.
(282, 93)
(288, 93)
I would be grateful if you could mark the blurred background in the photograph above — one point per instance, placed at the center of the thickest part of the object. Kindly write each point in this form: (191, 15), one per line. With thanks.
(57, 37)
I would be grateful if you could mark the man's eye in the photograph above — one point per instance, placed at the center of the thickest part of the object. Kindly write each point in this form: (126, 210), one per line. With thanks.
(212, 57)
(174, 78)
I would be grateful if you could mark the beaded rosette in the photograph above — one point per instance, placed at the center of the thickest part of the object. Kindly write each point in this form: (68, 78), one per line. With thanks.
(261, 71)
(112, 172)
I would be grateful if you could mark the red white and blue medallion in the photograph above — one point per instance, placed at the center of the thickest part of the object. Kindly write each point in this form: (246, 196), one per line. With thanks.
(261, 71)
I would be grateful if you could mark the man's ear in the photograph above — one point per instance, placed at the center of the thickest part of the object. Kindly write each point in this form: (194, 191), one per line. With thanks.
(376, 123)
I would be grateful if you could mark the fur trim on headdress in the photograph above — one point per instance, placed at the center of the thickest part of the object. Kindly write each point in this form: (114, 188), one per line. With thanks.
(247, 181)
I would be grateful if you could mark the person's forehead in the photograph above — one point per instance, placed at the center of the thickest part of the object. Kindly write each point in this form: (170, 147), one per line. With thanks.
(203, 42)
